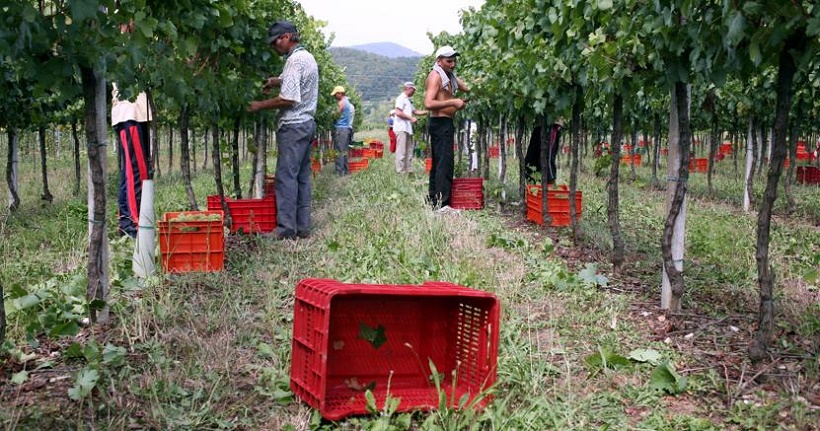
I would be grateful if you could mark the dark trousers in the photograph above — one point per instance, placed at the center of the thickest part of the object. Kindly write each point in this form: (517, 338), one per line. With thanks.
(135, 152)
(342, 137)
(532, 160)
(293, 175)
(441, 132)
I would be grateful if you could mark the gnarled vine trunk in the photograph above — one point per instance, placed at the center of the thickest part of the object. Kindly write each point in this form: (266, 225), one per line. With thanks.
(765, 273)
(612, 213)
(184, 157)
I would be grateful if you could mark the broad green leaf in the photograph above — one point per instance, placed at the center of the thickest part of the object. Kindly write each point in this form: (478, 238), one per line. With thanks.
(65, 329)
(604, 4)
(606, 359)
(114, 355)
(665, 379)
(374, 336)
(19, 378)
(84, 384)
(82, 10)
(646, 355)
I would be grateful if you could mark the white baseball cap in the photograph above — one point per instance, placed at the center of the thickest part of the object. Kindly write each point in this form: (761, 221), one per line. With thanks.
(446, 51)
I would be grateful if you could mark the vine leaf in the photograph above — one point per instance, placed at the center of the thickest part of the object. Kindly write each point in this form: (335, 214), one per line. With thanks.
(374, 336)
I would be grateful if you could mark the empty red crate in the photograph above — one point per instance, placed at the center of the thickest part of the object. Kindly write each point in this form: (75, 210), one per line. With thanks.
(467, 193)
(355, 152)
(351, 337)
(557, 203)
(192, 241)
(248, 215)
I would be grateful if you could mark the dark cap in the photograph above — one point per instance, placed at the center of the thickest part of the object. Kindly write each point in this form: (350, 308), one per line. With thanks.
(279, 28)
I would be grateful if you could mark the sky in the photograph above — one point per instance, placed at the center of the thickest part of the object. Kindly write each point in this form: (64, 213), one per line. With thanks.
(357, 22)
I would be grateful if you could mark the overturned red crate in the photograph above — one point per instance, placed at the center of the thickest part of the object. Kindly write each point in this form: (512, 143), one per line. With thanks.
(557, 203)
(467, 193)
(350, 338)
(248, 215)
(192, 241)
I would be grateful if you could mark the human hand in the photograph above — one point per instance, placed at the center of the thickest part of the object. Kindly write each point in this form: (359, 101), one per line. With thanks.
(414, 120)
(254, 106)
(459, 104)
(271, 82)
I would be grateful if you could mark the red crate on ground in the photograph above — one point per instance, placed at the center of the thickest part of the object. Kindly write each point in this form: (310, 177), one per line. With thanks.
(633, 159)
(808, 175)
(368, 153)
(378, 154)
(192, 241)
(355, 152)
(494, 152)
(248, 215)
(351, 337)
(467, 193)
(428, 164)
(357, 165)
(699, 165)
(315, 166)
(376, 145)
(557, 203)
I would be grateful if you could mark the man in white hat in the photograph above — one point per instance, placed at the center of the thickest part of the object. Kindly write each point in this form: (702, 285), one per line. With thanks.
(403, 128)
(342, 129)
(439, 99)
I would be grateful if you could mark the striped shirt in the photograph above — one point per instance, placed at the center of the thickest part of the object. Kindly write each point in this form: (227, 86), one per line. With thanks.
(300, 84)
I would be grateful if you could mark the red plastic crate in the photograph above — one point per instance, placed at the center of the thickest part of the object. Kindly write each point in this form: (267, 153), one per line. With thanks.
(494, 152)
(699, 165)
(355, 152)
(635, 160)
(191, 245)
(377, 145)
(248, 215)
(467, 193)
(808, 175)
(557, 202)
(428, 164)
(333, 362)
(357, 165)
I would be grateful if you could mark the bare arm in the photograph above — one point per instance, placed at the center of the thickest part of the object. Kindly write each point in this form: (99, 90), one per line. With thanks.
(275, 103)
(462, 86)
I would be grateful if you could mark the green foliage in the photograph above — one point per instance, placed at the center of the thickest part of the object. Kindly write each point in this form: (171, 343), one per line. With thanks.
(665, 379)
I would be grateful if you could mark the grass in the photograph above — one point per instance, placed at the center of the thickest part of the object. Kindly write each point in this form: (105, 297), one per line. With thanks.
(212, 351)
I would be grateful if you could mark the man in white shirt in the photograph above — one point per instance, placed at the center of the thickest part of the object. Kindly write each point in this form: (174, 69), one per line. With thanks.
(403, 128)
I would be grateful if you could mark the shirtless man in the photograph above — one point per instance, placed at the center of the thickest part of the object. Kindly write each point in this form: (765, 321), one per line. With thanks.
(440, 101)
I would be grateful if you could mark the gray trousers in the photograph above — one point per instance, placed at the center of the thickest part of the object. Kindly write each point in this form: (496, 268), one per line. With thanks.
(341, 143)
(293, 177)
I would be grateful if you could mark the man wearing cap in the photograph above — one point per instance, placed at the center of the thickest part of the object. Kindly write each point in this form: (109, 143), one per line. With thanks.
(440, 101)
(298, 95)
(403, 128)
(342, 129)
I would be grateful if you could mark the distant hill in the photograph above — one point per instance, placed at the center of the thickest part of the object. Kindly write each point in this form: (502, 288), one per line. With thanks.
(386, 49)
(376, 77)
